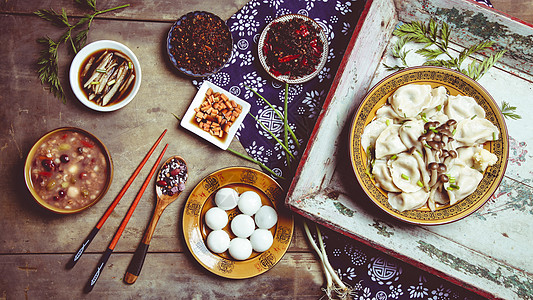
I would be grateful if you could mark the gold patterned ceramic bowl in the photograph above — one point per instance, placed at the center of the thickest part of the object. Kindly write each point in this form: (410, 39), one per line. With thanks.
(195, 230)
(455, 83)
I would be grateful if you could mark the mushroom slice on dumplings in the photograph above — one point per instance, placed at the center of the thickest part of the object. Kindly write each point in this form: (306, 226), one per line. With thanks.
(463, 107)
(465, 181)
(389, 142)
(383, 177)
(470, 132)
(405, 172)
(410, 100)
(371, 133)
(408, 201)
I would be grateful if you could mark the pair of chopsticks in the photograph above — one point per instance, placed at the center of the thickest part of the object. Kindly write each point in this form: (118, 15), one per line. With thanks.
(95, 275)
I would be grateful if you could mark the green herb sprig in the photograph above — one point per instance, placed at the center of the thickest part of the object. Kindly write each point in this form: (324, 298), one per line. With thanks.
(75, 35)
(508, 111)
(436, 41)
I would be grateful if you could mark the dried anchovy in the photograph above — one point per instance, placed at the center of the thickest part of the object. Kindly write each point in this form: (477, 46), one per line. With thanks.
(293, 48)
(172, 177)
(201, 43)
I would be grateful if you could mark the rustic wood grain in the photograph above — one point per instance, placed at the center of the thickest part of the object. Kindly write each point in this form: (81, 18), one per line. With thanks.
(164, 276)
(521, 9)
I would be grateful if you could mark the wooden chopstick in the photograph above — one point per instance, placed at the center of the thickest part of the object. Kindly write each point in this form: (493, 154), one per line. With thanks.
(96, 274)
(110, 209)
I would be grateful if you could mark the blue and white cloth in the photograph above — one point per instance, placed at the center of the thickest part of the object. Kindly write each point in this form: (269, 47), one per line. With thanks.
(373, 274)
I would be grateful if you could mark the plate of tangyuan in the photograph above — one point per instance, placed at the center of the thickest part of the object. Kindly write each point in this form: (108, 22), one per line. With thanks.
(428, 145)
(197, 227)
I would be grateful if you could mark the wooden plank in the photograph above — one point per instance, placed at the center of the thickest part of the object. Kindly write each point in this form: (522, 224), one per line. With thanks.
(521, 9)
(158, 10)
(164, 276)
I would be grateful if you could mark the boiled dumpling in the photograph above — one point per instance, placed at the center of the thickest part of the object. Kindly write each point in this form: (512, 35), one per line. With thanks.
(408, 201)
(465, 181)
(437, 101)
(389, 142)
(477, 157)
(410, 100)
(405, 173)
(475, 131)
(386, 112)
(383, 177)
(463, 107)
(410, 131)
(371, 133)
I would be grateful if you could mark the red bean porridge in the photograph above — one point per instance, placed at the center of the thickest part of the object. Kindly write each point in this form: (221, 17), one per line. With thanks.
(69, 170)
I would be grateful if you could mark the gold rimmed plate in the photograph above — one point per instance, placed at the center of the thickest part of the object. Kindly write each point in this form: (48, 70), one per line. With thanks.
(456, 83)
(202, 198)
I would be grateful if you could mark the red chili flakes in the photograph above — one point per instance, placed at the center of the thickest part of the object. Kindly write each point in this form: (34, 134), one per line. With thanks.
(293, 48)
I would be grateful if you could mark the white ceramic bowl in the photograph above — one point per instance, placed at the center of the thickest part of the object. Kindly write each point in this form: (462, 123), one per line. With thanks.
(91, 48)
(188, 121)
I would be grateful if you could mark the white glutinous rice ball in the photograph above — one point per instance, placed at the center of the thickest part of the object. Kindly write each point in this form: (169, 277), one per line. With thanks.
(240, 248)
(226, 198)
(216, 218)
(261, 240)
(218, 241)
(249, 203)
(242, 226)
(266, 217)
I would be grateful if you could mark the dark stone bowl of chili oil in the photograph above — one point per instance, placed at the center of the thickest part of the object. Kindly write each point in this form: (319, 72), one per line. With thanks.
(199, 44)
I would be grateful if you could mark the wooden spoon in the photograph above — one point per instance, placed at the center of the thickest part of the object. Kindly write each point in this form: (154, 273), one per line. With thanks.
(164, 198)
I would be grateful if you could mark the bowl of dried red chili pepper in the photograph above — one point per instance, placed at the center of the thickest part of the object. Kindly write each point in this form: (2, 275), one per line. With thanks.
(199, 44)
(293, 48)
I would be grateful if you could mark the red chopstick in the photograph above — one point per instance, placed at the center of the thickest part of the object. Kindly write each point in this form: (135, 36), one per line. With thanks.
(110, 209)
(109, 250)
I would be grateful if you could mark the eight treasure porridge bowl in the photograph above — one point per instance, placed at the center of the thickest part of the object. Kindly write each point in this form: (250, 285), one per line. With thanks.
(455, 84)
(68, 170)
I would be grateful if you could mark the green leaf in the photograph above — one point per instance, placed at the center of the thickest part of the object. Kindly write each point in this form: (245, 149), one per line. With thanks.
(430, 54)
(440, 63)
(508, 111)
(56, 19)
(445, 34)
(393, 68)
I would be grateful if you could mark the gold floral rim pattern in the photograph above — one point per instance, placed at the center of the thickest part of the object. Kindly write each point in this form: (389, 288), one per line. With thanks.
(201, 199)
(455, 83)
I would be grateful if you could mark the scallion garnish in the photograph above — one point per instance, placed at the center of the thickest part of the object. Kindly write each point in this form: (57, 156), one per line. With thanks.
(101, 71)
(439, 107)
(405, 177)
(473, 117)
(420, 184)
(95, 82)
(393, 157)
(387, 122)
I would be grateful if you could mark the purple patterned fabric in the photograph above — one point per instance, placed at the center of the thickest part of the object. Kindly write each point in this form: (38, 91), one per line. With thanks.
(373, 274)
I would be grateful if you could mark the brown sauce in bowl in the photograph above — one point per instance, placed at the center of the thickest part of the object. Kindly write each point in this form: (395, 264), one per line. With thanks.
(107, 77)
(69, 170)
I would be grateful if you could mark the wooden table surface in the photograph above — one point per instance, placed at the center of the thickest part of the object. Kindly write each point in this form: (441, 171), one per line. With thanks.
(35, 244)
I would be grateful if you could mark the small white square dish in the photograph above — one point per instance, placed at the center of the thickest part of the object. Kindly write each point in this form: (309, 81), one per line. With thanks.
(215, 114)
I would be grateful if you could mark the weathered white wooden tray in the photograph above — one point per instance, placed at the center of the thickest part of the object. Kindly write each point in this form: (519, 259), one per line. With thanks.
(490, 251)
